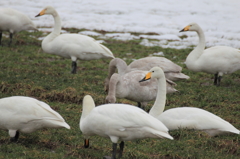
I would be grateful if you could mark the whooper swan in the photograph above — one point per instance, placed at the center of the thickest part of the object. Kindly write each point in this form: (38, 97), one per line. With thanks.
(73, 46)
(127, 86)
(26, 115)
(185, 117)
(216, 60)
(118, 122)
(172, 71)
(14, 21)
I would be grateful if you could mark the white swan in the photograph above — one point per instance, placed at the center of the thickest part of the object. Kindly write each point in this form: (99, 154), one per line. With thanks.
(14, 21)
(185, 117)
(73, 46)
(26, 114)
(216, 60)
(172, 71)
(127, 86)
(118, 122)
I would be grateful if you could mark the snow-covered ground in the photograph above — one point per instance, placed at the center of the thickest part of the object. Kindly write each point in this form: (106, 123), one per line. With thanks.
(219, 19)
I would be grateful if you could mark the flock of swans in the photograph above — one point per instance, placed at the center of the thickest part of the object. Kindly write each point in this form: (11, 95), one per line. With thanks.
(119, 122)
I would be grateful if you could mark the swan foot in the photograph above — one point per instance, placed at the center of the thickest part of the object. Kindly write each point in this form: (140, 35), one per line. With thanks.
(139, 105)
(108, 157)
(217, 79)
(15, 138)
(74, 67)
(114, 147)
(11, 37)
(86, 143)
(0, 38)
(121, 145)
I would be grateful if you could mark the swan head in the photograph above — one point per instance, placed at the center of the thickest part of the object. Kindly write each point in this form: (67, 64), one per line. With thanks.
(87, 105)
(47, 10)
(155, 72)
(190, 27)
(110, 99)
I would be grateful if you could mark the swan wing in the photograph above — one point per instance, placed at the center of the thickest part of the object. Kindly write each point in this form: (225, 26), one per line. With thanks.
(149, 62)
(195, 118)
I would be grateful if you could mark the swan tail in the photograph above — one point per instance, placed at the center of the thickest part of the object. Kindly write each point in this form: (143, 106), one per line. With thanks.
(176, 76)
(215, 132)
(234, 131)
(109, 53)
(56, 123)
(163, 135)
(170, 82)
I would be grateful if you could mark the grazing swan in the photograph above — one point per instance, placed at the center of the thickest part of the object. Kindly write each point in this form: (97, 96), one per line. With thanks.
(73, 46)
(26, 114)
(14, 21)
(172, 71)
(118, 122)
(127, 86)
(185, 117)
(216, 60)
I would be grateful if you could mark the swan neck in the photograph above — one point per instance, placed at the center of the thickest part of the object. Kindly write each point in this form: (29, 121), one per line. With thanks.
(197, 52)
(112, 85)
(119, 64)
(57, 26)
(201, 43)
(87, 107)
(159, 104)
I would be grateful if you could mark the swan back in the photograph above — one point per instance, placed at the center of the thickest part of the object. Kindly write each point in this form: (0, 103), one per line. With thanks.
(14, 21)
(172, 71)
(122, 122)
(196, 118)
(28, 114)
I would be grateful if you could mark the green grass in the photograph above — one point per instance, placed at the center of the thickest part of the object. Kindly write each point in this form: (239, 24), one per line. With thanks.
(27, 71)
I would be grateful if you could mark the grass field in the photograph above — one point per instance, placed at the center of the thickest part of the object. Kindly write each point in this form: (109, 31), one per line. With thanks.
(27, 71)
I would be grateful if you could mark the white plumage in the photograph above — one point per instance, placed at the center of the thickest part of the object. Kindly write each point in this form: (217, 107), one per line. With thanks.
(14, 21)
(26, 114)
(119, 122)
(73, 46)
(218, 60)
(185, 117)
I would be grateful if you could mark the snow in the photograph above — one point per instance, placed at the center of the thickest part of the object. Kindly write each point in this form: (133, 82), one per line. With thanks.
(219, 19)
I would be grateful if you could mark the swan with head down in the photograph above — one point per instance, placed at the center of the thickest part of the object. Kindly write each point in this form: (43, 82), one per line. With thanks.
(118, 122)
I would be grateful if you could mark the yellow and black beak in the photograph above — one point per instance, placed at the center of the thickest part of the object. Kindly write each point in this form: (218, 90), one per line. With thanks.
(147, 77)
(185, 29)
(41, 13)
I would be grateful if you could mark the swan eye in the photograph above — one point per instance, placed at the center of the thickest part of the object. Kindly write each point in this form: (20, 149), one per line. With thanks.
(152, 71)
